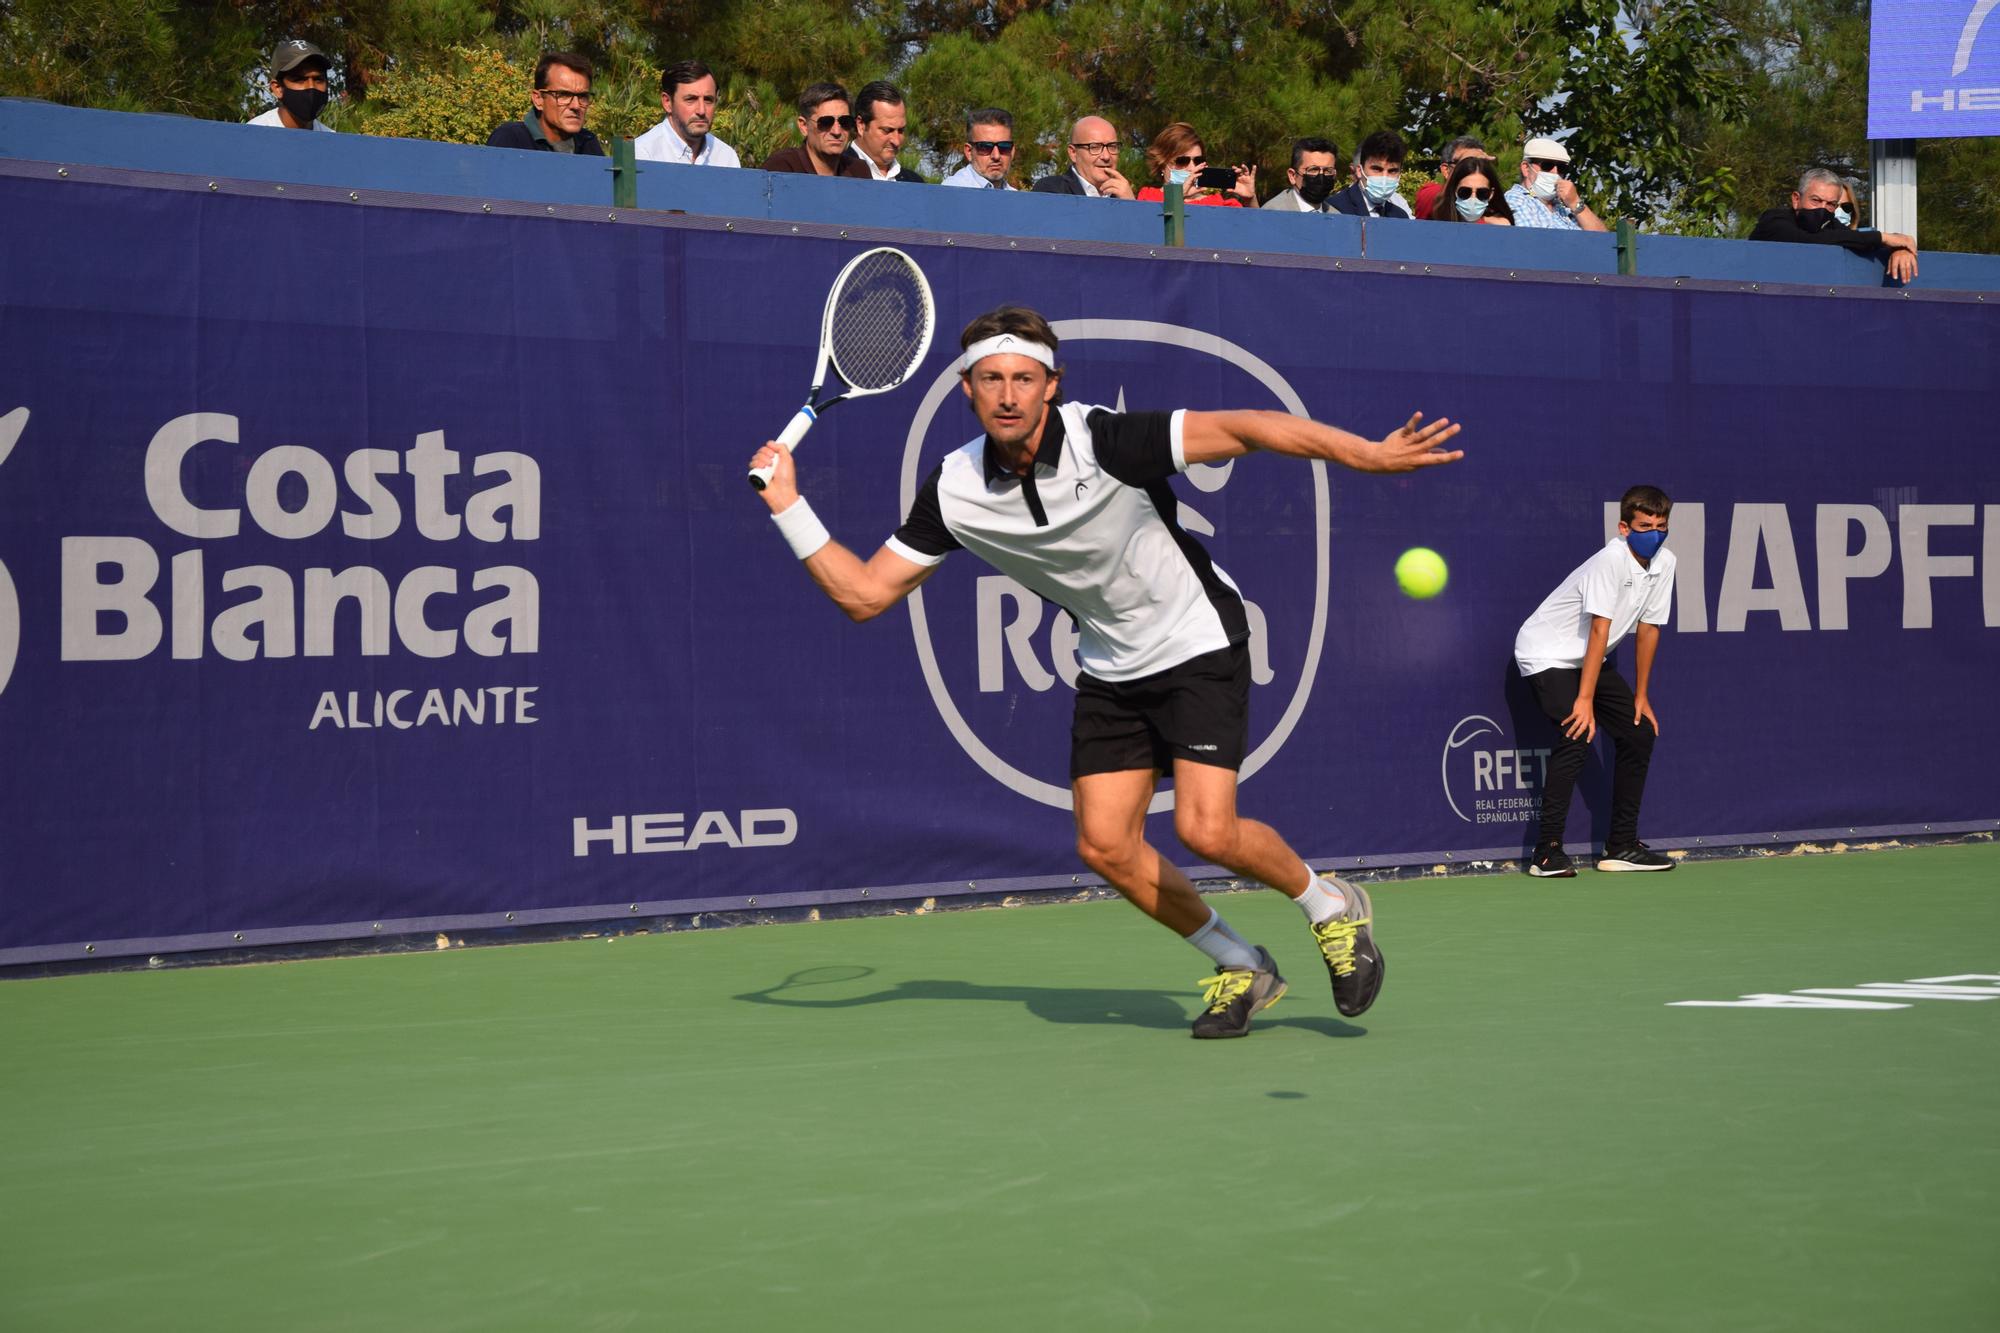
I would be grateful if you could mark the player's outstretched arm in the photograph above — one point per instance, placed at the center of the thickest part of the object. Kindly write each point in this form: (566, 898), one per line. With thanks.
(1212, 437)
(863, 589)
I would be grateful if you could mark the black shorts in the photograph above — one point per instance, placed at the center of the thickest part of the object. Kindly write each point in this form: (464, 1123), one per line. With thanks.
(1198, 710)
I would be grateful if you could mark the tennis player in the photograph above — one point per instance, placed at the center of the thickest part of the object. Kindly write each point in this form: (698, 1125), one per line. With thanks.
(1073, 502)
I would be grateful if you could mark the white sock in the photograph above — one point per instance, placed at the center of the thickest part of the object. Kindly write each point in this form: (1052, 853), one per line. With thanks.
(1322, 901)
(1222, 944)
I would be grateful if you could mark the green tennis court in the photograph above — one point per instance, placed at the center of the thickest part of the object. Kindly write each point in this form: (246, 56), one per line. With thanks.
(996, 1120)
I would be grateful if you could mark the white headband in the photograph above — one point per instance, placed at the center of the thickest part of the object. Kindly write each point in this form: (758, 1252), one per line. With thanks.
(1006, 342)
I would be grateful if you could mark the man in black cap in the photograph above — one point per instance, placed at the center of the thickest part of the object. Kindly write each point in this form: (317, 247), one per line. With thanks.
(298, 82)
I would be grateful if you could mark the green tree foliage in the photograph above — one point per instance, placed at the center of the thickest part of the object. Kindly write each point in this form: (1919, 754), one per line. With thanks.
(754, 118)
(458, 100)
(130, 55)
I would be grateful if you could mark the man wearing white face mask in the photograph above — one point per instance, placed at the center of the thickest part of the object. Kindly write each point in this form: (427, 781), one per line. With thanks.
(1378, 176)
(1546, 196)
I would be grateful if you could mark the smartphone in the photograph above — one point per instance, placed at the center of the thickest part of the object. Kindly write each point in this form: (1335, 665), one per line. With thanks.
(1217, 178)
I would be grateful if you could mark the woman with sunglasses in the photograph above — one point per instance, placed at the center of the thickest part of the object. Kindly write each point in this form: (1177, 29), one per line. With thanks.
(1472, 194)
(1176, 157)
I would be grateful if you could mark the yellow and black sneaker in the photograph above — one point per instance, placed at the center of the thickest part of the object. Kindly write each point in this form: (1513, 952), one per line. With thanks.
(1233, 994)
(1353, 963)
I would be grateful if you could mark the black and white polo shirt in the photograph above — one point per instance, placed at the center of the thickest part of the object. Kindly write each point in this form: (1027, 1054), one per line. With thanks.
(1091, 529)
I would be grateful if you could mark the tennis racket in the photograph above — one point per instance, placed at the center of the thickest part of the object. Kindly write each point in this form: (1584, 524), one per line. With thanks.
(874, 334)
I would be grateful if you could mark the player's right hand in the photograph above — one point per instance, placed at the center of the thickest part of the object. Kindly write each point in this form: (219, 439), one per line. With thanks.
(1581, 724)
(783, 487)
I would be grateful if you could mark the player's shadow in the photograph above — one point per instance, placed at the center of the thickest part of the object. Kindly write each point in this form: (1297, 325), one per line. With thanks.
(1534, 731)
(1162, 1010)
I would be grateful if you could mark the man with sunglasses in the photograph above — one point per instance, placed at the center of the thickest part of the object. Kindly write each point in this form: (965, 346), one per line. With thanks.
(989, 151)
(1547, 196)
(561, 103)
(1314, 173)
(1093, 164)
(826, 123)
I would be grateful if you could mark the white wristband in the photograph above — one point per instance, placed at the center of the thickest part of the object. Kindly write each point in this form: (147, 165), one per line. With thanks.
(800, 526)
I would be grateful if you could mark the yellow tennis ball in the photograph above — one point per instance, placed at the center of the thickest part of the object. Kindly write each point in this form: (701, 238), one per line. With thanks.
(1420, 573)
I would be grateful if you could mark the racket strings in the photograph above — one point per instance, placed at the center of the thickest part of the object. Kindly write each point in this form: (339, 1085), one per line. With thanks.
(881, 322)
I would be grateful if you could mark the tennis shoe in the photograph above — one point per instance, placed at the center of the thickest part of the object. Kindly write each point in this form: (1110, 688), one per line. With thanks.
(1353, 963)
(1551, 862)
(1234, 994)
(1638, 856)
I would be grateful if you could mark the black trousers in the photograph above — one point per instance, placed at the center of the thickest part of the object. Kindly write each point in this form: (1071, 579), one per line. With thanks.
(1632, 747)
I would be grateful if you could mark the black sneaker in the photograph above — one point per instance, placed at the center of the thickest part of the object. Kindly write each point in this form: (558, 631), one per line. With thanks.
(1636, 857)
(1551, 862)
(1353, 963)
(1234, 994)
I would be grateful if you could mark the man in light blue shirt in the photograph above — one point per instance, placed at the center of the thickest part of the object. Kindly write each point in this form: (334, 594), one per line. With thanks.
(1547, 197)
(989, 151)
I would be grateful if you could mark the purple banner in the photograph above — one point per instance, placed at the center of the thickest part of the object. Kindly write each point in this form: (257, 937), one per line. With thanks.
(375, 566)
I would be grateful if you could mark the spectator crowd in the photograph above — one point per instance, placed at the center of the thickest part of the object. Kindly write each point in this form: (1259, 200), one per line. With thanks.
(861, 137)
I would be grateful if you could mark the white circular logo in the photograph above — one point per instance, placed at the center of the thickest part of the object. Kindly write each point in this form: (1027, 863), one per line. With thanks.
(1467, 730)
(11, 426)
(1074, 331)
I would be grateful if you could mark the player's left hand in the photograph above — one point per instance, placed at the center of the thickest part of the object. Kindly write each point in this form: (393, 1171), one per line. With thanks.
(1409, 448)
(1643, 708)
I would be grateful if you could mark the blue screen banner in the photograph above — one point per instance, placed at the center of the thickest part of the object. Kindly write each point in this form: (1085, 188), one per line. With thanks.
(380, 568)
(1933, 69)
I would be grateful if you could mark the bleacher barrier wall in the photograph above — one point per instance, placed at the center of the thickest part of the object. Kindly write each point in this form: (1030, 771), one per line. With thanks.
(372, 564)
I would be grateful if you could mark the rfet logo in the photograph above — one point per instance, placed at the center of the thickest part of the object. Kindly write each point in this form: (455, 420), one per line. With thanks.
(11, 426)
(1487, 778)
(993, 653)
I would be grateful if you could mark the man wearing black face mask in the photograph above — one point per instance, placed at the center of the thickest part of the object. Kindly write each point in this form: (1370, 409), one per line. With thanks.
(1314, 175)
(1810, 219)
(298, 82)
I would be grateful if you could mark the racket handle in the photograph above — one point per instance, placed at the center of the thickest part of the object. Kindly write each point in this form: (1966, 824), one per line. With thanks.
(794, 431)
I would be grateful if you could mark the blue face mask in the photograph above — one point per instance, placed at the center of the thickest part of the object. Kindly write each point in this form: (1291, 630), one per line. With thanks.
(1178, 176)
(1646, 545)
(1471, 209)
(1381, 187)
(1842, 216)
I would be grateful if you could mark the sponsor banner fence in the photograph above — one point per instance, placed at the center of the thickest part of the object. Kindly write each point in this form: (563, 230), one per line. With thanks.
(370, 566)
(1933, 69)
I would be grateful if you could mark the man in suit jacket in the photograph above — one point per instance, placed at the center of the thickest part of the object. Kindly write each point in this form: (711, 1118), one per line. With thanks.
(1378, 178)
(1093, 164)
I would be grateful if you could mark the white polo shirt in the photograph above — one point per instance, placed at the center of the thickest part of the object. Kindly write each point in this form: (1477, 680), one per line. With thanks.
(1612, 584)
(1093, 529)
(663, 143)
(271, 118)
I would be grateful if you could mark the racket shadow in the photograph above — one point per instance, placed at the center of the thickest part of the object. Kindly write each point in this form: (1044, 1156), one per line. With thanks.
(1159, 1010)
